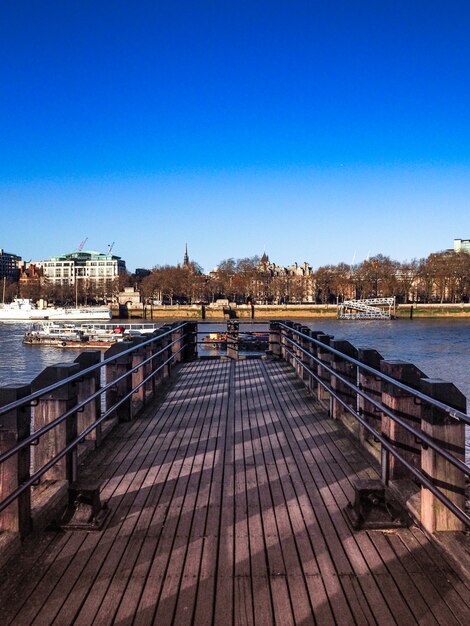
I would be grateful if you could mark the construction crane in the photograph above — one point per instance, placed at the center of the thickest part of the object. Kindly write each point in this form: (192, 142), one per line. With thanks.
(82, 244)
(110, 247)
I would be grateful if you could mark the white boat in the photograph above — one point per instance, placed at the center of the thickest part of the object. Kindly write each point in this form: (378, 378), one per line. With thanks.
(24, 309)
(63, 335)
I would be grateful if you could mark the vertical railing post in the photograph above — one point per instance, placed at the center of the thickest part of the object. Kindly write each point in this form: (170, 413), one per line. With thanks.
(401, 403)
(297, 328)
(283, 342)
(138, 397)
(190, 341)
(159, 358)
(165, 344)
(149, 349)
(176, 347)
(51, 406)
(449, 433)
(325, 356)
(233, 332)
(371, 384)
(348, 371)
(313, 383)
(119, 366)
(86, 386)
(288, 348)
(306, 346)
(274, 339)
(15, 426)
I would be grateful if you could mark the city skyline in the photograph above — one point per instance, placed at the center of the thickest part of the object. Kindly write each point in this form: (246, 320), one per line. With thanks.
(318, 132)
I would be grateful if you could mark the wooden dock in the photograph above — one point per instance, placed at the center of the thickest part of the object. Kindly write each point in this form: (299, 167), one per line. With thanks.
(226, 508)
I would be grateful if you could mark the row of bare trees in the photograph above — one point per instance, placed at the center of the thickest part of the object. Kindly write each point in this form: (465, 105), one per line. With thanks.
(441, 277)
(85, 292)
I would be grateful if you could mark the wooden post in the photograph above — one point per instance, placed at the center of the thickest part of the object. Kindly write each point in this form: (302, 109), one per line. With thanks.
(449, 433)
(372, 385)
(313, 383)
(275, 339)
(158, 360)
(165, 343)
(190, 341)
(120, 366)
(401, 403)
(15, 426)
(176, 348)
(347, 370)
(138, 397)
(307, 346)
(50, 407)
(87, 385)
(326, 357)
(149, 350)
(298, 353)
(233, 331)
(287, 346)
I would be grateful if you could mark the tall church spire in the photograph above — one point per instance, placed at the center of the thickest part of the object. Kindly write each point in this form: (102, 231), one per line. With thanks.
(186, 257)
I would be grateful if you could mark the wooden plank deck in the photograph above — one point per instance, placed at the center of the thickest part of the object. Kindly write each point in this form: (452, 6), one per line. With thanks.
(227, 509)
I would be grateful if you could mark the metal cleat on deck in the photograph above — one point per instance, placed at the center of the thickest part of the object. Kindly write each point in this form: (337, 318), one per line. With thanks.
(374, 508)
(85, 510)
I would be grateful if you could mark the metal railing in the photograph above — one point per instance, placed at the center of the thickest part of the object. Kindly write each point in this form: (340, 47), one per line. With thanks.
(308, 354)
(145, 359)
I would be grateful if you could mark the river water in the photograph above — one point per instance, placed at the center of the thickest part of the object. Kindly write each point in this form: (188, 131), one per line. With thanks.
(440, 348)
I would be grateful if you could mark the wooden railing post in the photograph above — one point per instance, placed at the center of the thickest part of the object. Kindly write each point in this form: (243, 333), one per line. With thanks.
(158, 360)
(326, 357)
(138, 377)
(274, 339)
(51, 406)
(403, 404)
(233, 333)
(348, 371)
(120, 366)
(15, 426)
(313, 383)
(165, 343)
(176, 347)
(87, 385)
(190, 341)
(149, 350)
(283, 343)
(449, 433)
(297, 351)
(307, 346)
(372, 385)
(287, 346)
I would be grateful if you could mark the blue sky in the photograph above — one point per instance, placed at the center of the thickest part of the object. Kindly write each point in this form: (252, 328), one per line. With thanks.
(316, 131)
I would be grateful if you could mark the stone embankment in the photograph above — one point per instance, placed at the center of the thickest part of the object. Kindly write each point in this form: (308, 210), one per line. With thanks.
(292, 311)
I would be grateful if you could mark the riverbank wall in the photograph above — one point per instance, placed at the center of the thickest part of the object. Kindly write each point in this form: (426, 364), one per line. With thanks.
(292, 311)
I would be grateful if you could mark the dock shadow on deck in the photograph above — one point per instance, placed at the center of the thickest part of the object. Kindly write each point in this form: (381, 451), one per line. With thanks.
(226, 508)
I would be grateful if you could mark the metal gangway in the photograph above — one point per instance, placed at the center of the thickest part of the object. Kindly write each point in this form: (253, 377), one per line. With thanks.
(368, 308)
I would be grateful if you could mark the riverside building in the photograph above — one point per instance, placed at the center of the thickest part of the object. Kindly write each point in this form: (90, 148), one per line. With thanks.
(9, 265)
(462, 245)
(91, 267)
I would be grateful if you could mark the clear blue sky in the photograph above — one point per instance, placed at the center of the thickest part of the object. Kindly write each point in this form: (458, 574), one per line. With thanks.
(314, 130)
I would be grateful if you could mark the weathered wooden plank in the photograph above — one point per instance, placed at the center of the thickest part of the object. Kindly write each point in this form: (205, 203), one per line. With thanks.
(107, 555)
(226, 508)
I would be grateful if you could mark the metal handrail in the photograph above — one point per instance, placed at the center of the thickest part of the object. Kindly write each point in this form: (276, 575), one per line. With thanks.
(37, 434)
(73, 444)
(387, 447)
(417, 433)
(452, 412)
(423, 479)
(74, 377)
